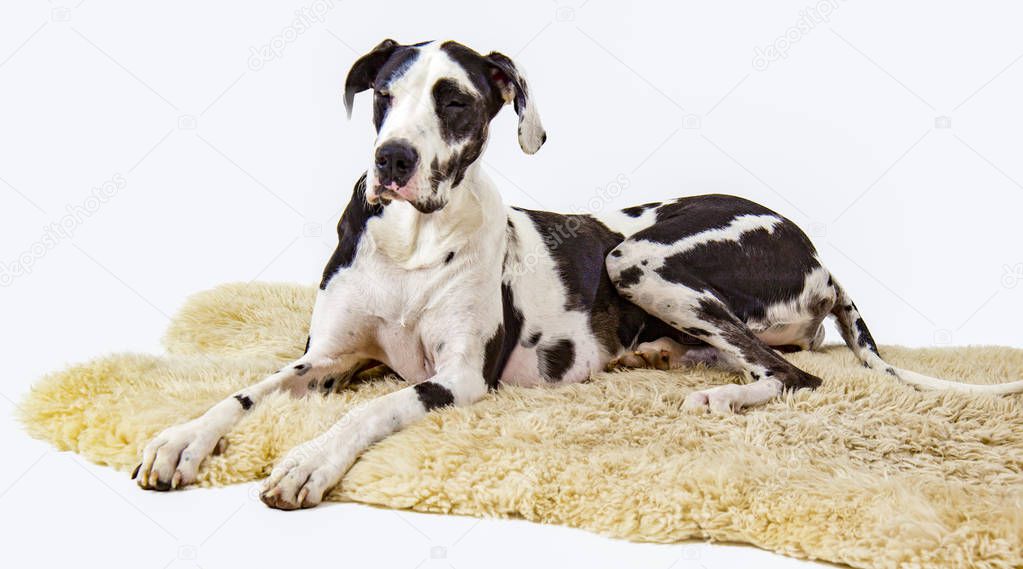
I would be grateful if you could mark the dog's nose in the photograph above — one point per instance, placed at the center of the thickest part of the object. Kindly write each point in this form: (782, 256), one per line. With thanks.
(395, 161)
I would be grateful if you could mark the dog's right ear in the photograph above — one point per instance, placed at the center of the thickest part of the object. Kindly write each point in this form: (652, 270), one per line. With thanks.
(364, 71)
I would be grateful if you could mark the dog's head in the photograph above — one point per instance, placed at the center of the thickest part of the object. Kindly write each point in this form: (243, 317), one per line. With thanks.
(432, 107)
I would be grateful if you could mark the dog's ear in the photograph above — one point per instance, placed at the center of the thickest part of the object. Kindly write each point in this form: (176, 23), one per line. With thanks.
(364, 71)
(511, 83)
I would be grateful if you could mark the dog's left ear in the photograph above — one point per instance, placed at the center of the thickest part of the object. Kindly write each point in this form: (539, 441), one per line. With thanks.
(511, 83)
(364, 71)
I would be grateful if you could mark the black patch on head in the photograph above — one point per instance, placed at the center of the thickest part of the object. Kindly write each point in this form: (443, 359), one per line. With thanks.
(863, 337)
(453, 170)
(433, 395)
(555, 359)
(449, 257)
(397, 64)
(491, 75)
(349, 231)
(376, 70)
(479, 70)
(245, 402)
(637, 210)
(461, 114)
(616, 253)
(629, 277)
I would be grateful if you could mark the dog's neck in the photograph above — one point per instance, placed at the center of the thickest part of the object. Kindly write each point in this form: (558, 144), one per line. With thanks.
(474, 217)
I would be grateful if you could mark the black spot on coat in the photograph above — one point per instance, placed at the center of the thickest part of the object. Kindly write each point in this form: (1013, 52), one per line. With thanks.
(555, 359)
(863, 337)
(433, 395)
(499, 347)
(244, 401)
(637, 210)
(760, 269)
(629, 277)
(349, 231)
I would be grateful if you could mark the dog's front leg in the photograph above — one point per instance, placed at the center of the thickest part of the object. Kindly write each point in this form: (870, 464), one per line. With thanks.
(172, 459)
(302, 477)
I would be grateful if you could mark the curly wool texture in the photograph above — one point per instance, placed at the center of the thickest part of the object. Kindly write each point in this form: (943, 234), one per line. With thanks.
(863, 471)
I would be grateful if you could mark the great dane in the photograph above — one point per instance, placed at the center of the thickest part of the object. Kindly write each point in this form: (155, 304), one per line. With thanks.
(436, 278)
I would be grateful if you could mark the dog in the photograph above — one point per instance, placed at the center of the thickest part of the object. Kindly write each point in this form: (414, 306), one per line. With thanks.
(436, 279)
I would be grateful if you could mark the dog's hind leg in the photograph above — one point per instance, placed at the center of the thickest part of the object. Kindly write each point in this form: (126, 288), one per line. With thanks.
(173, 457)
(694, 308)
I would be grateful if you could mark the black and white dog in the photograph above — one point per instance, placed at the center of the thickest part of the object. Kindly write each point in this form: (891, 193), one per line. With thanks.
(434, 277)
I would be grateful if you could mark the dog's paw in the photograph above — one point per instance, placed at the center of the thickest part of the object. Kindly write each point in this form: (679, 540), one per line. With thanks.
(662, 354)
(301, 478)
(727, 399)
(716, 399)
(172, 459)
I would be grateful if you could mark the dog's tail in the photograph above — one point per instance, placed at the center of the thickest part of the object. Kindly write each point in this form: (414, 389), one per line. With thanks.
(857, 337)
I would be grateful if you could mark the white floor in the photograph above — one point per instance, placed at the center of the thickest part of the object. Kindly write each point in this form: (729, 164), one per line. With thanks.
(58, 510)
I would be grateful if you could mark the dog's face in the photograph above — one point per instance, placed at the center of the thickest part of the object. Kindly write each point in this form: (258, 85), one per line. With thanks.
(432, 107)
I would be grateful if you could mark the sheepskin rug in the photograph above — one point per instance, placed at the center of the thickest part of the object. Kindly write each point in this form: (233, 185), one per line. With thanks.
(863, 471)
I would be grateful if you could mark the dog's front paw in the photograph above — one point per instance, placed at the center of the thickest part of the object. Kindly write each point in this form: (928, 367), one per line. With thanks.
(301, 479)
(172, 459)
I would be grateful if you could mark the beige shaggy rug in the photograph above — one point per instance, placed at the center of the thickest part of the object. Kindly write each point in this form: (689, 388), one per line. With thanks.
(863, 471)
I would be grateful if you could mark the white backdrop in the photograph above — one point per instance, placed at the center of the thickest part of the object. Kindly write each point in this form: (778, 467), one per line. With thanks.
(150, 150)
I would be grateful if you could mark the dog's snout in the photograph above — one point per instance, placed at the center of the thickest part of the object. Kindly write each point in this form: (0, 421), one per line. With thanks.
(395, 162)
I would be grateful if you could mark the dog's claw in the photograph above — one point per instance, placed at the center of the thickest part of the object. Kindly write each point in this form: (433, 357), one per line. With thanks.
(135, 473)
(176, 481)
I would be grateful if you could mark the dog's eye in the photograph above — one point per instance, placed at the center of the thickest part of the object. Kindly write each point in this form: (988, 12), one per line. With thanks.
(382, 94)
(455, 104)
